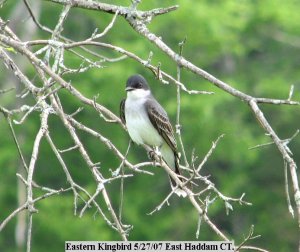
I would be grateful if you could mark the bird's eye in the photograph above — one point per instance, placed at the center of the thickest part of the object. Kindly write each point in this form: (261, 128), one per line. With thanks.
(138, 85)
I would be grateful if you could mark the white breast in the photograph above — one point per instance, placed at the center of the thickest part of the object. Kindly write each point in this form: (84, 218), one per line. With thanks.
(138, 124)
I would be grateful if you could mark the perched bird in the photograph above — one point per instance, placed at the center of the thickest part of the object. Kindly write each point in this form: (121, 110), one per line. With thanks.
(148, 123)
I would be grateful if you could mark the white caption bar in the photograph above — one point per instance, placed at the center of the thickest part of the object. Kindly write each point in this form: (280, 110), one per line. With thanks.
(171, 246)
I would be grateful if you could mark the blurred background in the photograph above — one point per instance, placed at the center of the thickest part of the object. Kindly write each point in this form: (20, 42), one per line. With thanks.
(252, 45)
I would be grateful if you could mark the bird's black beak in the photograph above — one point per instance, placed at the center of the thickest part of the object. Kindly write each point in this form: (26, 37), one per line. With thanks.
(128, 89)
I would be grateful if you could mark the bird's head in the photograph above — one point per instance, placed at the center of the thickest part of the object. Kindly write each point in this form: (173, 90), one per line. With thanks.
(137, 87)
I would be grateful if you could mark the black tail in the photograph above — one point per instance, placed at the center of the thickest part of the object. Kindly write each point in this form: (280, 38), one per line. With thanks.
(179, 191)
(177, 170)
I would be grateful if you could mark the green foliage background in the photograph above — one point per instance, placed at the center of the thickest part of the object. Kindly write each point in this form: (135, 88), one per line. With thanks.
(239, 42)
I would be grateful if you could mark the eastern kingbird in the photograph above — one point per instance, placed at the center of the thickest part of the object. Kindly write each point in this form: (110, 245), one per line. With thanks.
(148, 123)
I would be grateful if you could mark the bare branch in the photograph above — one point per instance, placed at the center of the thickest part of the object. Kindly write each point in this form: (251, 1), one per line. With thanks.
(214, 145)
(25, 206)
(6, 90)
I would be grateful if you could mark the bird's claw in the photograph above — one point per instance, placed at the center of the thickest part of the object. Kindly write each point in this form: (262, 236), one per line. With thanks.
(152, 154)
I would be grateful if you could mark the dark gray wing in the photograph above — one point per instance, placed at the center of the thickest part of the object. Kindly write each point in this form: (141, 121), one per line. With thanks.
(161, 122)
(122, 111)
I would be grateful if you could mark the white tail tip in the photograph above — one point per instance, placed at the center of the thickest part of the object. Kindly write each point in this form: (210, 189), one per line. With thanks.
(180, 192)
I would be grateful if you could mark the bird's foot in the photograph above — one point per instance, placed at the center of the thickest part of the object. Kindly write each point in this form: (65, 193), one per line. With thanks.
(152, 154)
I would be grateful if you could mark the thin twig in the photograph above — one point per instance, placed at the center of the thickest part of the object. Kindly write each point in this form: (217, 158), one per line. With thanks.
(17, 143)
(122, 181)
(25, 206)
(291, 210)
(214, 145)
(178, 125)
(3, 91)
